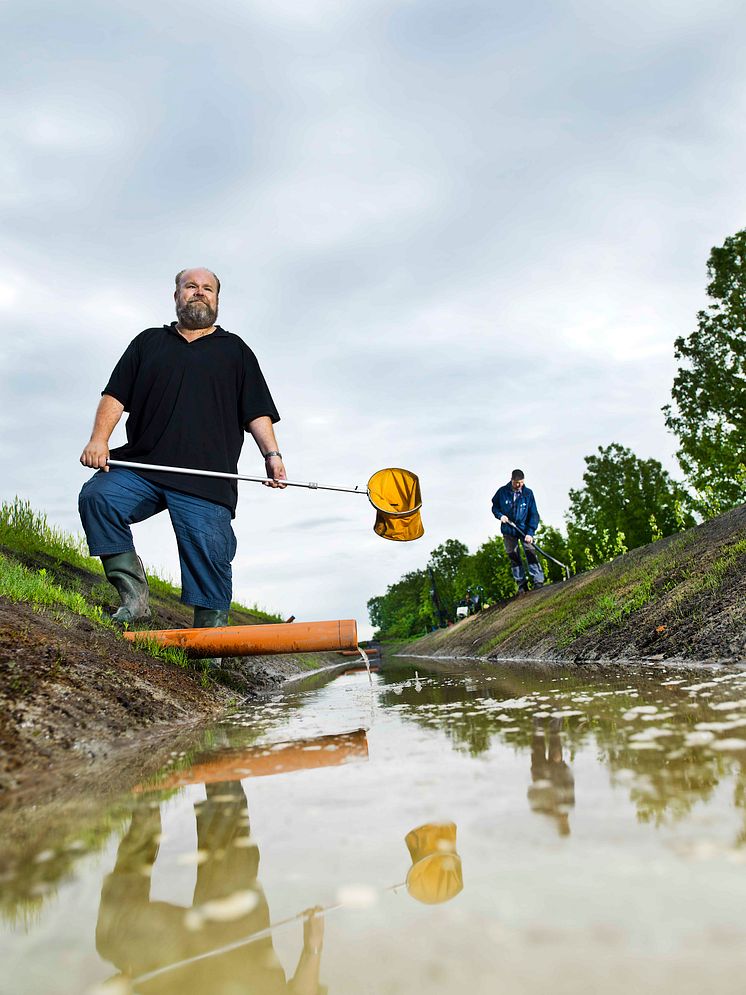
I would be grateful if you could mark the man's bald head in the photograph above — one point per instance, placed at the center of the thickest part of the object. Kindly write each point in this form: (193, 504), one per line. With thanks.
(182, 275)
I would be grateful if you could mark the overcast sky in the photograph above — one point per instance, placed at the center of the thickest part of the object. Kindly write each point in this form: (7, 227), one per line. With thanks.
(460, 237)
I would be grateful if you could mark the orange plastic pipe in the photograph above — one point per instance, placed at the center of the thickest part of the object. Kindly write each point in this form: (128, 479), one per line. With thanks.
(253, 640)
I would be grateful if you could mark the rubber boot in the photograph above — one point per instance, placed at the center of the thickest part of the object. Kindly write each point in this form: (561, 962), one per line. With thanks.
(210, 618)
(124, 571)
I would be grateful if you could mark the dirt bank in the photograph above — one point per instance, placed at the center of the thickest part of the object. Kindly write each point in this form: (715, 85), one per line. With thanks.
(682, 598)
(74, 694)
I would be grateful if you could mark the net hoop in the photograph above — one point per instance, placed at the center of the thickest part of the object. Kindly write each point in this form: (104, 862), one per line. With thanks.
(395, 514)
(395, 494)
(386, 508)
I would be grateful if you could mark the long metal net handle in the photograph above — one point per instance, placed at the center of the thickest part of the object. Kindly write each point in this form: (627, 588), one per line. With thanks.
(543, 552)
(250, 938)
(234, 476)
(228, 947)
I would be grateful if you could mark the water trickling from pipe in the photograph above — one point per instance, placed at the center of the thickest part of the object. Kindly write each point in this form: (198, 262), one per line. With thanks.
(364, 655)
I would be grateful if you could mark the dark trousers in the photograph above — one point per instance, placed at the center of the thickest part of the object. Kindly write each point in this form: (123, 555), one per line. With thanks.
(513, 549)
(110, 502)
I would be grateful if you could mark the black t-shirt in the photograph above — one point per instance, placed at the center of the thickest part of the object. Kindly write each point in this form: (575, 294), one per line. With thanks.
(188, 403)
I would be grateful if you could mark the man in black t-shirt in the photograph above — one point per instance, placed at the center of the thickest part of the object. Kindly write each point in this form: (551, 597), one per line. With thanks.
(191, 390)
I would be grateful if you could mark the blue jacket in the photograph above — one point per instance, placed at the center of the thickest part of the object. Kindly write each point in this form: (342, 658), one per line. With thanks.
(524, 512)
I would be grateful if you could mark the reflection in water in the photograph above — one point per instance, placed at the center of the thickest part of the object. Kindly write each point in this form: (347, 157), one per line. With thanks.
(235, 763)
(435, 875)
(669, 742)
(223, 942)
(660, 758)
(143, 937)
(552, 792)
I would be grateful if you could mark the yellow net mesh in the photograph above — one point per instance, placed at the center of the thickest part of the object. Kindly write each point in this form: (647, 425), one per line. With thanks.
(395, 494)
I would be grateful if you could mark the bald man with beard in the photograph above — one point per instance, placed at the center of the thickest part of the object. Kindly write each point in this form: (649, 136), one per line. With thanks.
(191, 390)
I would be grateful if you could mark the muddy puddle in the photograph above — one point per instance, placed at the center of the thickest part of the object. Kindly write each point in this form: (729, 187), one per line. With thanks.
(511, 831)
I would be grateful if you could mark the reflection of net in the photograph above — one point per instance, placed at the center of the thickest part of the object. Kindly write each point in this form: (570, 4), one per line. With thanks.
(395, 494)
(435, 875)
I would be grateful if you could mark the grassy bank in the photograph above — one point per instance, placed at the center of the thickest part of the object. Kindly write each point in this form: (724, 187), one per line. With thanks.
(70, 686)
(48, 568)
(683, 597)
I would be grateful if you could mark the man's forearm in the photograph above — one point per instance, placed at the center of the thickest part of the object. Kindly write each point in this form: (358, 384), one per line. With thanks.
(305, 981)
(263, 433)
(108, 413)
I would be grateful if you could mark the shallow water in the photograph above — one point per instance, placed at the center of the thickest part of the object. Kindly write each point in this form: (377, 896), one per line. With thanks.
(518, 831)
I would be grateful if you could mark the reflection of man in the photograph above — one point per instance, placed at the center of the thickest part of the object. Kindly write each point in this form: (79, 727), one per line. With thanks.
(191, 389)
(553, 790)
(514, 502)
(141, 936)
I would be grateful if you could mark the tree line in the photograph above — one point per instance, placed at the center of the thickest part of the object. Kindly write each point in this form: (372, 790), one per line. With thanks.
(625, 501)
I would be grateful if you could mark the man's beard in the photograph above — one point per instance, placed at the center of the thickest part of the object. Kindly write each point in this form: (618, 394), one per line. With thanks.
(196, 315)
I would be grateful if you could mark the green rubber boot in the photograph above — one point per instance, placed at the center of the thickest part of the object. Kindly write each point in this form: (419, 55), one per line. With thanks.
(210, 618)
(124, 571)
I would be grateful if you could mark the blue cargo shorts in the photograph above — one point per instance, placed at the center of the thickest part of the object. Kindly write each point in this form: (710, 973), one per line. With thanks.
(110, 502)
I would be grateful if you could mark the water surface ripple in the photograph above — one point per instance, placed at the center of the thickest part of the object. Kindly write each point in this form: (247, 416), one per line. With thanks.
(517, 830)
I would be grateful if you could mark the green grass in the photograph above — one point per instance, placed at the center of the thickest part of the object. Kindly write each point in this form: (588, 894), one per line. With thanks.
(28, 531)
(713, 578)
(609, 609)
(256, 610)
(627, 590)
(708, 581)
(171, 654)
(620, 589)
(528, 612)
(35, 587)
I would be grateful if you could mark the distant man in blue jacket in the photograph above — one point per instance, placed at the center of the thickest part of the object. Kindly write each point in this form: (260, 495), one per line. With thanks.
(515, 503)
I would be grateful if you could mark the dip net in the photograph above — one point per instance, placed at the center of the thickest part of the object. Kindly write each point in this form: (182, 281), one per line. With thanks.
(395, 494)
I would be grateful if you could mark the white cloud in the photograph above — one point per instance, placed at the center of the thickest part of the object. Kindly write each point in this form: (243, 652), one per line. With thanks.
(459, 237)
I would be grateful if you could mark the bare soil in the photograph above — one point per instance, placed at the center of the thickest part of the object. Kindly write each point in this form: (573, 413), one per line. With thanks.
(77, 700)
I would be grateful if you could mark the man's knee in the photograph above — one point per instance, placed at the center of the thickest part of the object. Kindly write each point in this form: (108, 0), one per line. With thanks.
(120, 495)
(511, 548)
(108, 504)
(93, 501)
(102, 490)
